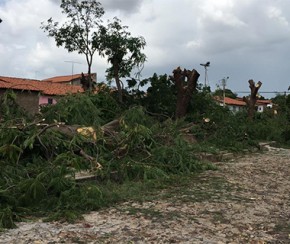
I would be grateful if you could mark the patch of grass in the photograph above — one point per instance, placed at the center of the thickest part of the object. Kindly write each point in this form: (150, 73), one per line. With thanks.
(151, 213)
(218, 217)
(146, 212)
(197, 188)
(182, 188)
(282, 227)
(281, 231)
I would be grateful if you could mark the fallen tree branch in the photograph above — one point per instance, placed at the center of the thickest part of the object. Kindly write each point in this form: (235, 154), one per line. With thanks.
(92, 160)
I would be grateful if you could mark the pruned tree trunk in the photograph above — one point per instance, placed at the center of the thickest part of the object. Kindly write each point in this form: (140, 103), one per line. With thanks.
(252, 99)
(186, 82)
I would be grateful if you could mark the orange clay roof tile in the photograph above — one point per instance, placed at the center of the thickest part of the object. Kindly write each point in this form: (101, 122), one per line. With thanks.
(231, 101)
(44, 87)
(265, 102)
(63, 79)
(239, 101)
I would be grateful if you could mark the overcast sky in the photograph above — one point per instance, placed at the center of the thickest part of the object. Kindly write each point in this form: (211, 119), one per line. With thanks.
(242, 39)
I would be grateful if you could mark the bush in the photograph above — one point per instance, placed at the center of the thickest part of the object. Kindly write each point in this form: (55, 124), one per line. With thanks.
(9, 109)
(82, 109)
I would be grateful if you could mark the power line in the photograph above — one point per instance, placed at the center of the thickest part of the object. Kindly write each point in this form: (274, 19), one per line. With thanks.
(263, 92)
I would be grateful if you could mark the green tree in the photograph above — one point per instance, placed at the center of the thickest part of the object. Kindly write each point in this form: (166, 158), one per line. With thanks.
(122, 50)
(228, 93)
(281, 101)
(160, 96)
(76, 34)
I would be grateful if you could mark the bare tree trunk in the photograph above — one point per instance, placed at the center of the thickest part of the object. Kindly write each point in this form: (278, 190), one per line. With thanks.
(251, 101)
(90, 78)
(186, 82)
(117, 79)
(87, 83)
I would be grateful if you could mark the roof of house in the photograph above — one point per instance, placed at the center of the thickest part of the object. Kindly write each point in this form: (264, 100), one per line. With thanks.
(264, 102)
(260, 102)
(230, 101)
(44, 87)
(239, 101)
(65, 78)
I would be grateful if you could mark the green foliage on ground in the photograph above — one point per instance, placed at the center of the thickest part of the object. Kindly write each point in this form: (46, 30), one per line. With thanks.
(39, 161)
(83, 109)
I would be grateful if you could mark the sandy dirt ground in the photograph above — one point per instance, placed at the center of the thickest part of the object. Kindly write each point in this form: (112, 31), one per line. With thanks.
(246, 200)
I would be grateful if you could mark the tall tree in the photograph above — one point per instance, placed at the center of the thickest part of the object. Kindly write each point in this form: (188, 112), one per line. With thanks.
(122, 50)
(84, 17)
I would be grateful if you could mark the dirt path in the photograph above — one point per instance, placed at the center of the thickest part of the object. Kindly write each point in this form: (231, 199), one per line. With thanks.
(246, 201)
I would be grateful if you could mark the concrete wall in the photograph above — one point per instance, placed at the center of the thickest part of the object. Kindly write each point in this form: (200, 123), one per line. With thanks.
(28, 100)
(44, 100)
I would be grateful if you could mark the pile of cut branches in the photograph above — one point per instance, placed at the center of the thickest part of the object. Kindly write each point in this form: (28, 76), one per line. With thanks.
(39, 162)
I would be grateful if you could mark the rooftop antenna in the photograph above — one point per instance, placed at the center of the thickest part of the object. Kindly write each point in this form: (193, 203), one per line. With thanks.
(72, 66)
(206, 65)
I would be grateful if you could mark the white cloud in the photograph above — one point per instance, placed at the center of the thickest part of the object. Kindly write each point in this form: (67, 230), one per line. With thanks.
(242, 39)
(193, 44)
(276, 14)
(219, 12)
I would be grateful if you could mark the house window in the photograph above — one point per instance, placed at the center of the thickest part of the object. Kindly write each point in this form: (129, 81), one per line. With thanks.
(49, 101)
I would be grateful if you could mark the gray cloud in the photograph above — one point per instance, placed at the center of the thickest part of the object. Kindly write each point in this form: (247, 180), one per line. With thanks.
(58, 2)
(127, 6)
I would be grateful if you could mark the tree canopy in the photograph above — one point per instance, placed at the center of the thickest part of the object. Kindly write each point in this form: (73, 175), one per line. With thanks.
(83, 18)
(228, 93)
(122, 50)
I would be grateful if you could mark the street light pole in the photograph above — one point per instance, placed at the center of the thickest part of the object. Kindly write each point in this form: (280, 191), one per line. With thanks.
(206, 65)
(224, 83)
